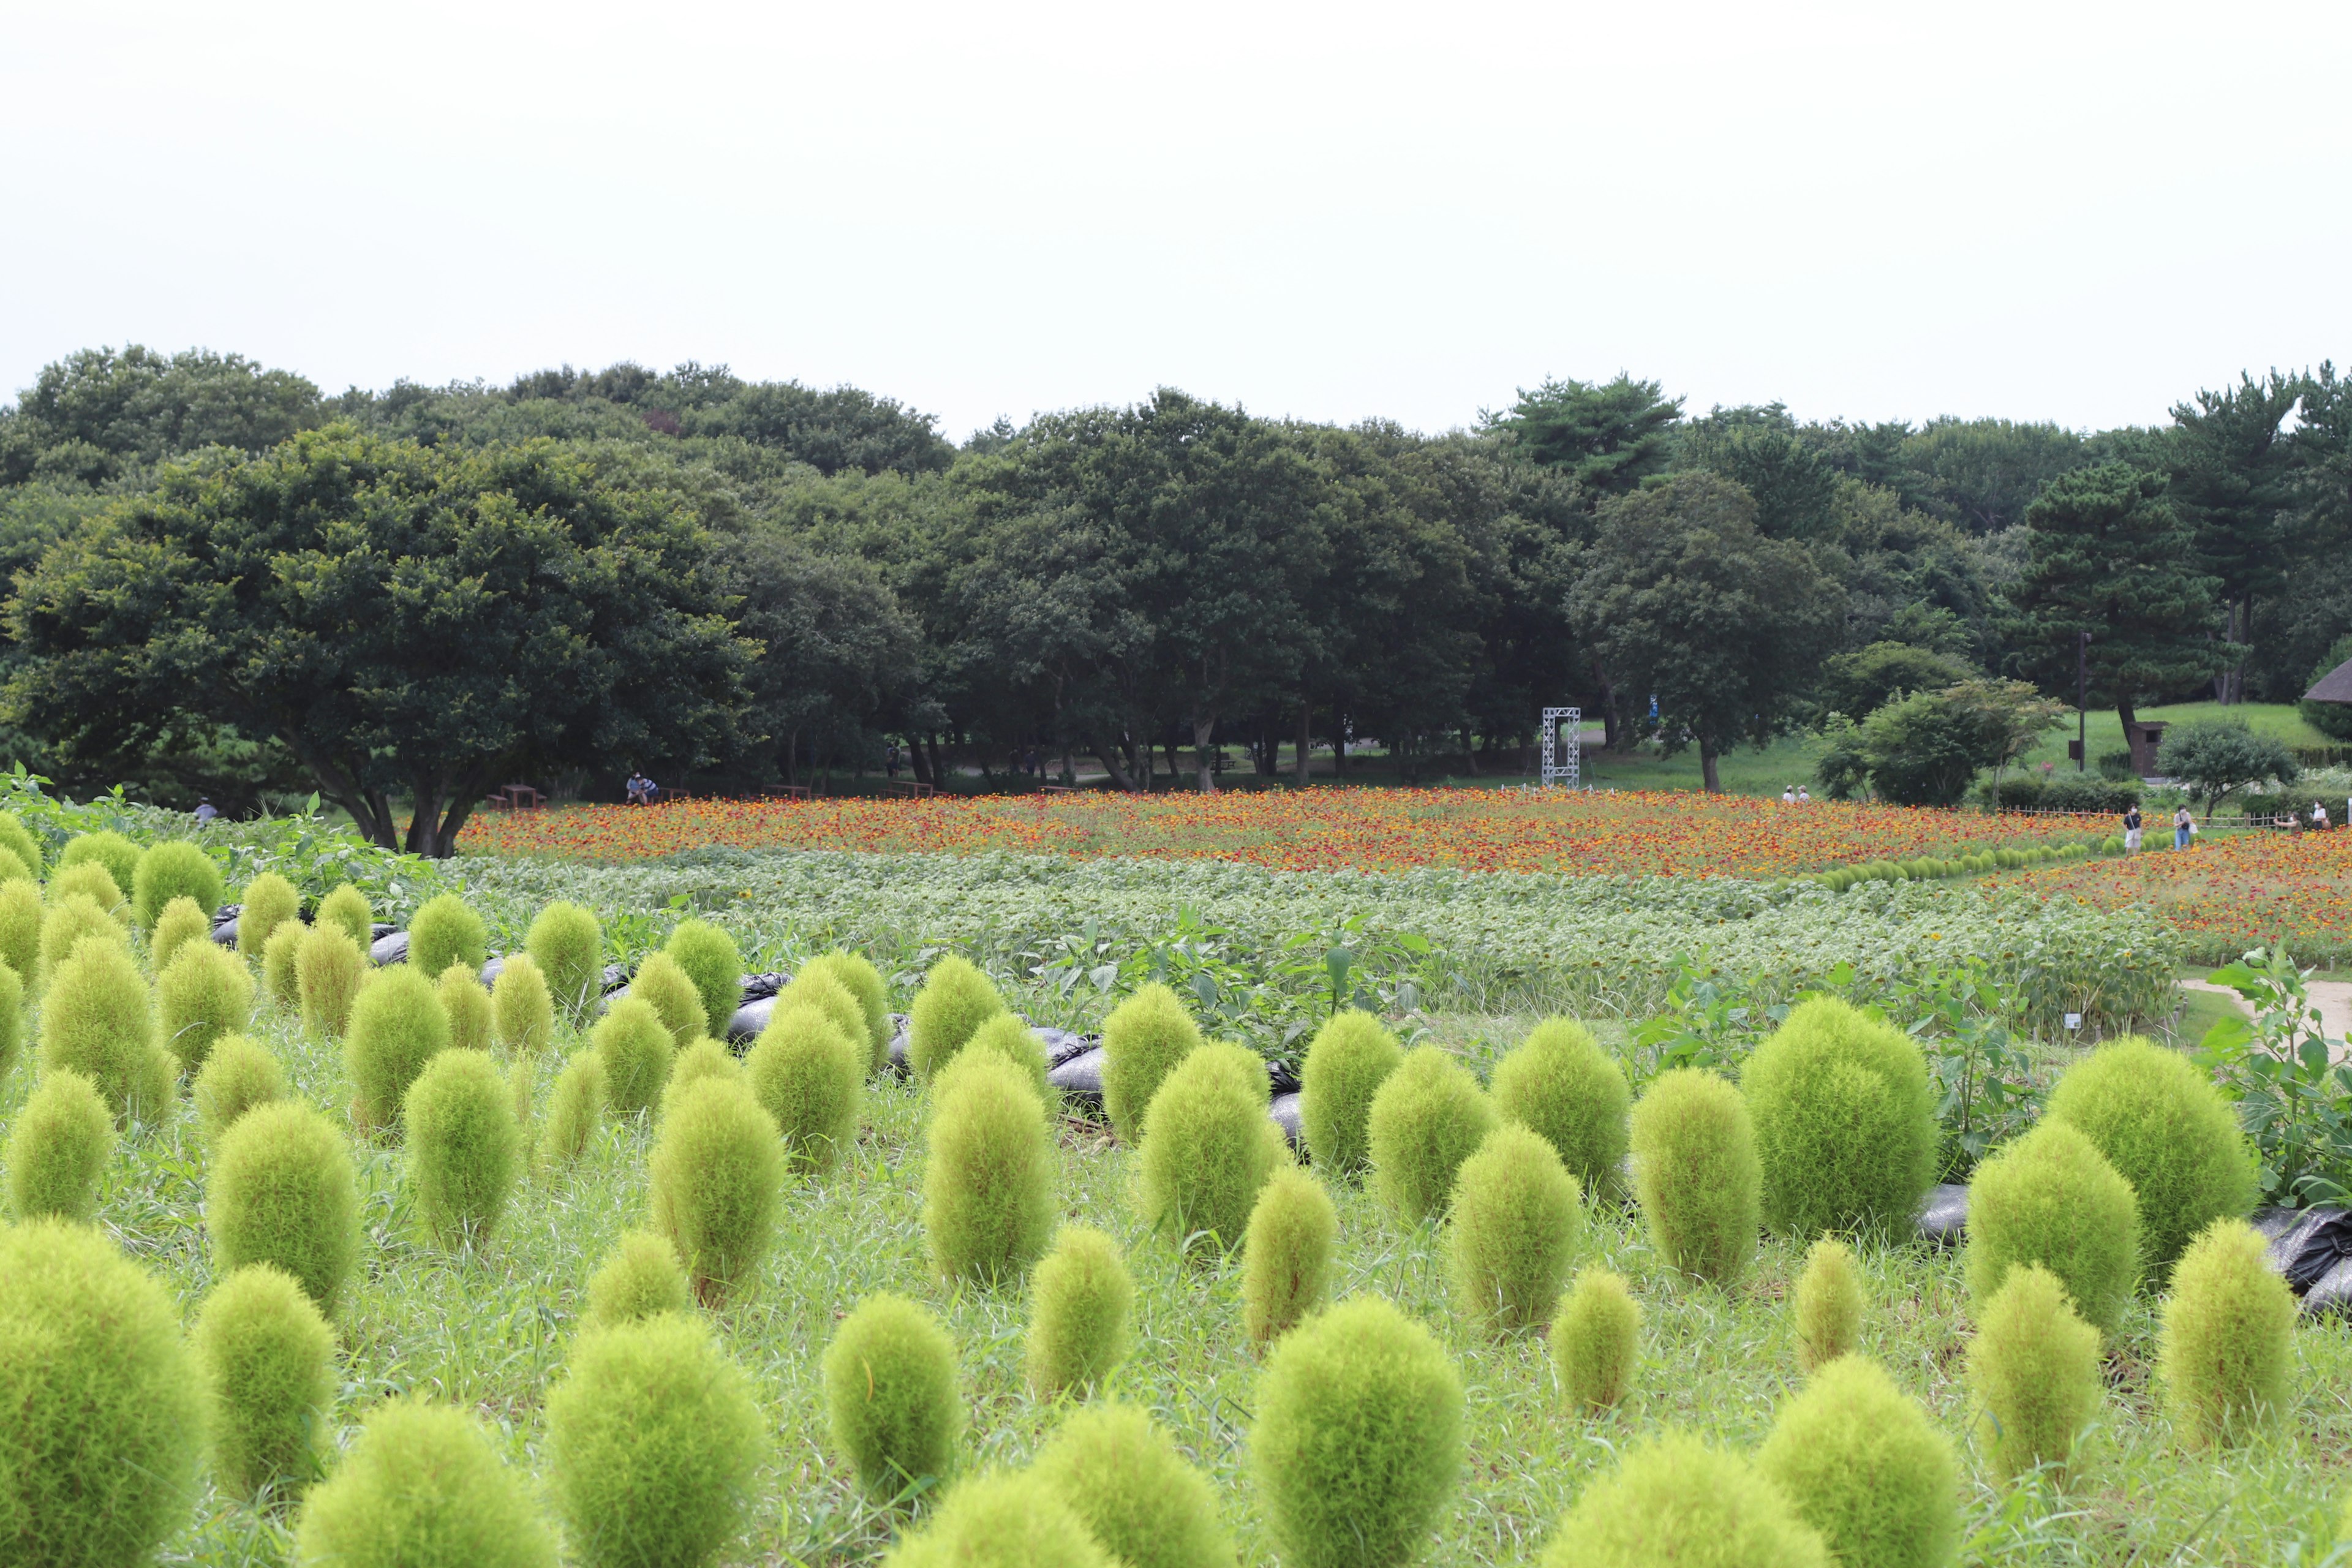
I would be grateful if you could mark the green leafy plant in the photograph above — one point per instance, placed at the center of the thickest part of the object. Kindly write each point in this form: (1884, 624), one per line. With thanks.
(1427, 1117)
(240, 1074)
(265, 1358)
(1286, 1254)
(1844, 1121)
(1080, 1302)
(2227, 1345)
(892, 1406)
(717, 1171)
(1561, 1084)
(1829, 1305)
(2032, 1371)
(568, 945)
(955, 1000)
(1673, 1498)
(421, 1488)
(810, 1077)
(1208, 1148)
(1596, 1341)
(1864, 1465)
(639, 1277)
(205, 992)
(1350, 1057)
(58, 1149)
(445, 931)
(988, 1183)
(282, 1191)
(464, 1144)
(2294, 1097)
(1143, 1039)
(523, 1010)
(396, 1027)
(173, 868)
(1133, 1490)
(636, 1048)
(465, 1003)
(96, 1021)
(708, 956)
(1696, 1174)
(1517, 1221)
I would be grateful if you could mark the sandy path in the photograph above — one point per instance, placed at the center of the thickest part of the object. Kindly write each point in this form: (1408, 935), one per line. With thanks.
(2333, 997)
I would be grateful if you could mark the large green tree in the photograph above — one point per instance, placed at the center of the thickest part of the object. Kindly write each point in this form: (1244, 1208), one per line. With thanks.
(103, 415)
(404, 620)
(1608, 436)
(2232, 472)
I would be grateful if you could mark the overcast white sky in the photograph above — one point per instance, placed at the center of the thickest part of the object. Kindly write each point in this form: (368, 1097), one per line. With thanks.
(2072, 212)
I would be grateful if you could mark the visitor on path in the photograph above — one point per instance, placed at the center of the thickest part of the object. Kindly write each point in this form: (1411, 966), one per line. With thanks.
(2131, 829)
(641, 789)
(2184, 828)
(2320, 823)
(1804, 795)
(1788, 795)
(205, 811)
(890, 759)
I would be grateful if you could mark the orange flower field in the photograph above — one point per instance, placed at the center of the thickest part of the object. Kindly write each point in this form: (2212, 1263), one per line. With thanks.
(2226, 894)
(1671, 832)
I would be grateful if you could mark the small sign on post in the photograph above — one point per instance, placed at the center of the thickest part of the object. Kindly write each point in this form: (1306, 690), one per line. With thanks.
(2073, 1021)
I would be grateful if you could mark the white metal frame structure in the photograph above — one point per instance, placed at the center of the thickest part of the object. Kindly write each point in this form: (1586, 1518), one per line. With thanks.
(1560, 761)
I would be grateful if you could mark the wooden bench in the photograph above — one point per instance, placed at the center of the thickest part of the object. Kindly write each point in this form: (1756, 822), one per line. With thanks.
(1058, 789)
(790, 792)
(909, 789)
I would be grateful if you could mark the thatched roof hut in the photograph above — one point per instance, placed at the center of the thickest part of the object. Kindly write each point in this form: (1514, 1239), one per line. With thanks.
(2336, 686)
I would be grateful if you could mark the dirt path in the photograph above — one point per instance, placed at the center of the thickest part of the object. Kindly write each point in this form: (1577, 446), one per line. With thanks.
(2332, 998)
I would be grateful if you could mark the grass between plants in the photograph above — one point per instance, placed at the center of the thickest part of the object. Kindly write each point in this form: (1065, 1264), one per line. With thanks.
(491, 1328)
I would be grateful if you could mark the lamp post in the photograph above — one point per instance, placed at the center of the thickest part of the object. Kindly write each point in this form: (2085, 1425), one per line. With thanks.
(2082, 701)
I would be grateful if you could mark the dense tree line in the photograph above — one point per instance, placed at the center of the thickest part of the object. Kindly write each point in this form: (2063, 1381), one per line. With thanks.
(227, 581)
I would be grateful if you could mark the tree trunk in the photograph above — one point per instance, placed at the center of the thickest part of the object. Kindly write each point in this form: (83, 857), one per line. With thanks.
(1205, 729)
(1339, 744)
(1175, 768)
(792, 756)
(1470, 750)
(1305, 736)
(369, 811)
(1706, 771)
(1112, 764)
(939, 767)
(918, 764)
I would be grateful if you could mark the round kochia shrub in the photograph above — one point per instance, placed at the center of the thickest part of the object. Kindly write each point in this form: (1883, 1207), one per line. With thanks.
(891, 1403)
(96, 1021)
(999, 1521)
(20, 929)
(956, 999)
(1133, 1490)
(465, 1003)
(71, 920)
(1010, 1036)
(282, 1191)
(636, 1049)
(328, 969)
(397, 1026)
(422, 1488)
(1844, 1121)
(239, 1075)
(708, 957)
(662, 985)
(1695, 1172)
(265, 1359)
(819, 987)
(1358, 1441)
(2051, 1198)
(348, 908)
(179, 923)
(98, 1460)
(810, 1077)
(1863, 1466)
(1673, 1500)
(1427, 1118)
(2033, 1368)
(88, 881)
(2228, 1341)
(2167, 1131)
(575, 1107)
(1350, 1057)
(568, 945)
(855, 973)
(1519, 1217)
(1208, 1148)
(444, 932)
(716, 1174)
(654, 1440)
(269, 901)
(281, 965)
(14, 835)
(1560, 1083)
(117, 855)
(1596, 1340)
(704, 1058)
(988, 1184)
(522, 1011)
(464, 1145)
(1143, 1039)
(173, 868)
(58, 1149)
(1829, 1305)
(205, 992)
(1078, 1309)
(640, 1277)
(1286, 1254)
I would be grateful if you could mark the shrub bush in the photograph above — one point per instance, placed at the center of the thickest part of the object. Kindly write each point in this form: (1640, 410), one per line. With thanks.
(1844, 1120)
(2164, 1127)
(96, 1021)
(59, 1148)
(1695, 1174)
(704, 1058)
(891, 1402)
(1350, 1057)
(17, 837)
(1078, 1309)
(66, 924)
(574, 1108)
(956, 999)
(348, 909)
(1133, 1490)
(465, 1003)
(855, 973)
(2228, 1339)
(445, 931)
(397, 1026)
(269, 901)
(1143, 1039)
(2033, 1368)
(1208, 1148)
(240, 1074)
(203, 993)
(1863, 1466)
(636, 1048)
(810, 1077)
(281, 965)
(117, 854)
(662, 985)
(1561, 1084)
(708, 957)
(89, 880)
(523, 1010)
(1829, 1305)
(819, 986)
(1673, 1500)
(988, 1184)
(654, 1442)
(1286, 1254)
(173, 868)
(1426, 1118)
(464, 1144)
(281, 1190)
(568, 945)
(180, 923)
(12, 1019)
(640, 1276)
(20, 929)
(100, 1461)
(999, 1521)
(1010, 1036)
(1596, 1341)
(1358, 1441)
(421, 1488)
(266, 1360)
(2051, 1198)
(328, 969)
(1518, 1219)
(716, 1171)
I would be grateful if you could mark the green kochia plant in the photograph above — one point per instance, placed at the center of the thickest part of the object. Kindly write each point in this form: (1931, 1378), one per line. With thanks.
(717, 1172)
(205, 992)
(59, 1148)
(636, 1050)
(2034, 1369)
(988, 1183)
(422, 1488)
(239, 1075)
(328, 969)
(855, 973)
(1000, 1520)
(20, 929)
(956, 999)
(96, 1021)
(2228, 1341)
(812, 1078)
(89, 880)
(269, 901)
(575, 1107)
(1844, 1120)
(267, 1360)
(464, 1144)
(568, 945)
(14, 835)
(69, 921)
(1351, 1056)
(1829, 1305)
(1133, 1490)
(1286, 1254)
(1518, 1219)
(892, 1406)
(654, 1442)
(348, 908)
(1674, 1500)
(2051, 1198)
(708, 956)
(444, 932)
(1358, 1441)
(1208, 1148)
(1862, 1465)
(818, 987)
(1077, 1318)
(522, 1012)
(1143, 1039)
(465, 1003)
(173, 868)
(1696, 1174)
(281, 965)
(282, 1191)
(180, 923)
(640, 1277)
(1426, 1118)
(670, 992)
(117, 854)
(397, 1026)
(706, 1059)
(1010, 1036)
(1561, 1084)
(1596, 1340)
(100, 1461)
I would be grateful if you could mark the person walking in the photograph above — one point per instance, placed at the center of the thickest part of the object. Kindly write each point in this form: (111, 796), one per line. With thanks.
(2131, 829)
(2184, 828)
(2320, 823)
